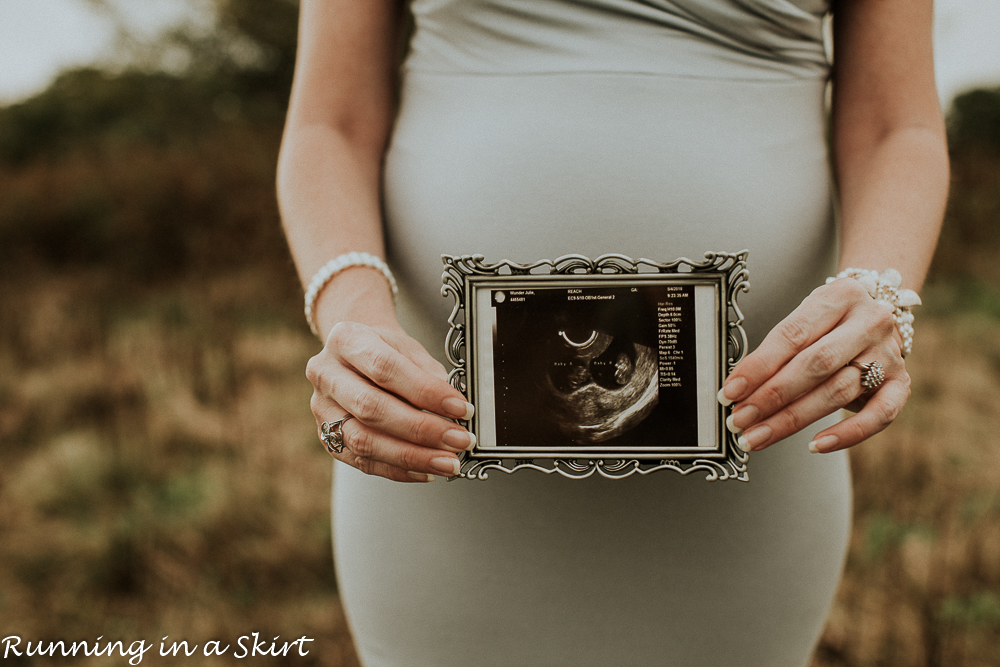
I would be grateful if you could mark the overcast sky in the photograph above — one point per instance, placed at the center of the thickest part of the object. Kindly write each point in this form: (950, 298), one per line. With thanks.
(38, 38)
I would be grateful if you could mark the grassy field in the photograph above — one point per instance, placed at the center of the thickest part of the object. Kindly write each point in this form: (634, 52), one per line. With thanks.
(922, 586)
(160, 475)
(160, 472)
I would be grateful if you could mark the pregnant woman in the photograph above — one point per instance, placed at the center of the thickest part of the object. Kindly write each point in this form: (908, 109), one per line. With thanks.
(529, 129)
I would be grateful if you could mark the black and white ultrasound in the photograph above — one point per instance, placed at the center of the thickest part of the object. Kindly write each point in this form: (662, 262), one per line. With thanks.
(608, 366)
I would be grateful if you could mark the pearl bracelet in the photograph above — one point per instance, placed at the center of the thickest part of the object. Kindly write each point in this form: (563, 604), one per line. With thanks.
(885, 287)
(335, 266)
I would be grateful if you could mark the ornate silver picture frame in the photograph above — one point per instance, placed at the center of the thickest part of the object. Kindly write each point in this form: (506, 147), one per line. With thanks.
(606, 366)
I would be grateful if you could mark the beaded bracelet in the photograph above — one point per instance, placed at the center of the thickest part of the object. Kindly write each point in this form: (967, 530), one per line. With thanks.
(885, 287)
(335, 266)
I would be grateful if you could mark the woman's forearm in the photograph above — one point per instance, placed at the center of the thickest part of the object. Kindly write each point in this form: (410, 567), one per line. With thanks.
(328, 194)
(892, 200)
(889, 145)
(329, 170)
(328, 190)
(890, 159)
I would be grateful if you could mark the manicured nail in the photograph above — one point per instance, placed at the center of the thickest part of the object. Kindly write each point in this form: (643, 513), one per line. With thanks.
(456, 408)
(824, 444)
(742, 418)
(460, 441)
(722, 398)
(446, 465)
(729, 425)
(754, 438)
(420, 476)
(732, 391)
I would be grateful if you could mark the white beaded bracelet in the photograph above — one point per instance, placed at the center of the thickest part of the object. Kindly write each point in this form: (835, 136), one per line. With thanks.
(335, 266)
(885, 287)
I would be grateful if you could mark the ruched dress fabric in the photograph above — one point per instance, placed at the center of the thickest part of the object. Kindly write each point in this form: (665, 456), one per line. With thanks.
(654, 128)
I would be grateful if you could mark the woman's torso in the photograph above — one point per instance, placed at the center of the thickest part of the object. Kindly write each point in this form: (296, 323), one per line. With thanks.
(537, 128)
(531, 128)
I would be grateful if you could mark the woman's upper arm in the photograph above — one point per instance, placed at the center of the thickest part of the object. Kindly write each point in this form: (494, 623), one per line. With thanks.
(883, 73)
(345, 71)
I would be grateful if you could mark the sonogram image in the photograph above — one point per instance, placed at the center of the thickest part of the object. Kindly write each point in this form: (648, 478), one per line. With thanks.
(582, 366)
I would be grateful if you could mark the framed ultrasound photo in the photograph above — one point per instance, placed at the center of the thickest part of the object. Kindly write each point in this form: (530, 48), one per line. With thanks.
(606, 366)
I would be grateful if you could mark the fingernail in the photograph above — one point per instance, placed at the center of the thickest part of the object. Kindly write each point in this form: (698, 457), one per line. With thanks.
(729, 425)
(420, 476)
(732, 391)
(742, 418)
(754, 438)
(456, 408)
(446, 465)
(824, 444)
(722, 398)
(460, 441)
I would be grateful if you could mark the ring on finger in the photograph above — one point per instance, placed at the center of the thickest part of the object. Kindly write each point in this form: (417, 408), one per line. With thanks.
(872, 374)
(333, 434)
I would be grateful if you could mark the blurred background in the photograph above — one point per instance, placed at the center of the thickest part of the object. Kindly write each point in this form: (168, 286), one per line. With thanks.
(159, 468)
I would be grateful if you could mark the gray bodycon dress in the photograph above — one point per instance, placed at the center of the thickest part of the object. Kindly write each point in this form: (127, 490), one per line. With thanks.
(652, 128)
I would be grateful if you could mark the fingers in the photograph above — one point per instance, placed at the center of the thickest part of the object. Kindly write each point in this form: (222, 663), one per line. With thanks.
(837, 391)
(416, 352)
(814, 318)
(880, 411)
(386, 366)
(374, 453)
(388, 415)
(801, 372)
(841, 389)
(400, 400)
(820, 362)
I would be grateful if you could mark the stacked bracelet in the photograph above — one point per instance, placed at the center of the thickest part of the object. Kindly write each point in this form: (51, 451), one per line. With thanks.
(335, 266)
(885, 287)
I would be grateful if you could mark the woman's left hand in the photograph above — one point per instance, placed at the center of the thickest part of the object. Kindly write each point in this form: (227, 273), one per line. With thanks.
(802, 372)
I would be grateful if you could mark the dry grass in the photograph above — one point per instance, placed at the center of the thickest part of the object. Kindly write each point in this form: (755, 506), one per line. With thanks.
(922, 587)
(159, 475)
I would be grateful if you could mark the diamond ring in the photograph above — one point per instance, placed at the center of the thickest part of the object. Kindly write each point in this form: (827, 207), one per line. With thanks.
(872, 375)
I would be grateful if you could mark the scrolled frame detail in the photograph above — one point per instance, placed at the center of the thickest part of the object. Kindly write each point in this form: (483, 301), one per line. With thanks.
(732, 267)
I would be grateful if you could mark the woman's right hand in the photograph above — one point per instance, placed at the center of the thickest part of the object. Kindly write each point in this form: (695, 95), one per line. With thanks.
(399, 397)
(340, 116)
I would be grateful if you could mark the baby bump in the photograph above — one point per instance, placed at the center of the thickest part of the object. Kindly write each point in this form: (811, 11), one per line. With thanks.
(529, 166)
(532, 569)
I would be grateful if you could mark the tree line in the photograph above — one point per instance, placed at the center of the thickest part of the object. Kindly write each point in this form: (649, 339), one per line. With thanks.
(152, 174)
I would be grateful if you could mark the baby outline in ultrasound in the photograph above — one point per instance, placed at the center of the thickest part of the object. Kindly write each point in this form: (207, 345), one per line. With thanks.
(597, 386)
